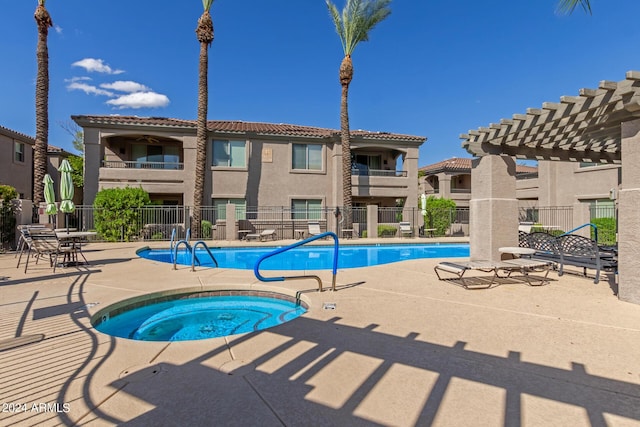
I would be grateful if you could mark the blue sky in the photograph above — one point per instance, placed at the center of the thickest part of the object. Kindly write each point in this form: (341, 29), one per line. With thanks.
(433, 68)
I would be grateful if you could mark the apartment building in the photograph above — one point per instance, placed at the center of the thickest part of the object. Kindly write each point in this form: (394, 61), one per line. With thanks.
(249, 164)
(16, 161)
(550, 184)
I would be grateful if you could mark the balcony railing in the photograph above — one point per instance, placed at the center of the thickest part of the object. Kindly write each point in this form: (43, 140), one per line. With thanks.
(377, 172)
(120, 164)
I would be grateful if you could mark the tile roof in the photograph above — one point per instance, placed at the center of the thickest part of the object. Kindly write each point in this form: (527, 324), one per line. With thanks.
(456, 164)
(15, 134)
(231, 126)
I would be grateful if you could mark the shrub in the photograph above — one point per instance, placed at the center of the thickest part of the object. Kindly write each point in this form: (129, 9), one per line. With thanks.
(606, 230)
(206, 229)
(7, 215)
(438, 214)
(386, 230)
(117, 213)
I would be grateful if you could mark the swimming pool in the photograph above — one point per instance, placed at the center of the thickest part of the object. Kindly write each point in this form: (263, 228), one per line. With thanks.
(312, 257)
(197, 316)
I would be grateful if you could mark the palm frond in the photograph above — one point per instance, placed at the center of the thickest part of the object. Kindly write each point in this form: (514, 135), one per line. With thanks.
(357, 19)
(568, 6)
(206, 4)
(335, 16)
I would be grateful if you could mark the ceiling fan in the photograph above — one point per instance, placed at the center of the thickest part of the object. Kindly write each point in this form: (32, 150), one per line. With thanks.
(148, 138)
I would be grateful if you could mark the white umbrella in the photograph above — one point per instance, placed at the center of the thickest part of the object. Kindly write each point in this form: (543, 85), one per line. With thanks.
(66, 190)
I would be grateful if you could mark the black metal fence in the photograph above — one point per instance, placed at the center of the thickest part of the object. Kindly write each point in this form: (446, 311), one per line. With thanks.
(158, 222)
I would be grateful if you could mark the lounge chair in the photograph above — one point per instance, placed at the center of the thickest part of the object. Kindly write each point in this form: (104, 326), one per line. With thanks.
(405, 229)
(523, 265)
(314, 228)
(263, 235)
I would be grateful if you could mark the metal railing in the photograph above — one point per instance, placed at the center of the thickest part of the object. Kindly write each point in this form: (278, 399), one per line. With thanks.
(123, 164)
(256, 268)
(378, 172)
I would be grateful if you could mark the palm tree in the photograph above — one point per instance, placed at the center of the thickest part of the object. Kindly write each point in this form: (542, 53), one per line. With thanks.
(353, 25)
(567, 6)
(204, 33)
(43, 20)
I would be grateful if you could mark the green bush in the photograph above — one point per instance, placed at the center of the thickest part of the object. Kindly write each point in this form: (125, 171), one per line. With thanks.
(439, 213)
(383, 231)
(606, 230)
(206, 229)
(117, 213)
(387, 230)
(7, 215)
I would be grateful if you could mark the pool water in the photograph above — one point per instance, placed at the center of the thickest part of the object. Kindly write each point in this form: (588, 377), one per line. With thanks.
(200, 318)
(312, 257)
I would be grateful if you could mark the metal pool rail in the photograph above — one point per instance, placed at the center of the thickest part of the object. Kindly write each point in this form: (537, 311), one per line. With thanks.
(256, 268)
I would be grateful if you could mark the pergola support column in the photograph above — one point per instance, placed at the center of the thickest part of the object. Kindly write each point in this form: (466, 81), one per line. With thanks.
(493, 205)
(629, 215)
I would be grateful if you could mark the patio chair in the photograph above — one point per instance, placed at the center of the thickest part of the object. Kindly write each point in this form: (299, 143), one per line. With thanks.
(314, 228)
(47, 244)
(263, 235)
(405, 229)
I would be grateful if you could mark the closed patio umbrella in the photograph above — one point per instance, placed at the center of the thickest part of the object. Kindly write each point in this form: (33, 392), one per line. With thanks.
(49, 195)
(66, 190)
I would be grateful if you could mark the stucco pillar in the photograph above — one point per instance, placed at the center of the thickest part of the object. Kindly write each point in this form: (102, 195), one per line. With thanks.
(629, 215)
(92, 164)
(231, 227)
(581, 215)
(493, 207)
(444, 182)
(372, 221)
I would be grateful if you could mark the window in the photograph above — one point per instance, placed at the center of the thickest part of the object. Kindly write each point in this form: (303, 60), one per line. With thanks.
(155, 156)
(306, 209)
(19, 152)
(231, 154)
(366, 162)
(220, 206)
(307, 156)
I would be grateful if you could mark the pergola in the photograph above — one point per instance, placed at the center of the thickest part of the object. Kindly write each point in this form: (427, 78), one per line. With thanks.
(598, 125)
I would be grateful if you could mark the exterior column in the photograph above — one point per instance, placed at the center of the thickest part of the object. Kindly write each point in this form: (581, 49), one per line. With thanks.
(92, 163)
(581, 215)
(231, 226)
(444, 181)
(493, 206)
(629, 215)
(372, 221)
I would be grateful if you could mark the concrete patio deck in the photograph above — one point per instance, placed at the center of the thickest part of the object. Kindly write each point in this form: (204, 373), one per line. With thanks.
(400, 348)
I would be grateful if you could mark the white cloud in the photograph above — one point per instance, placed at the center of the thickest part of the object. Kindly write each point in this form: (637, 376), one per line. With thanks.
(88, 89)
(140, 100)
(96, 65)
(77, 79)
(58, 28)
(125, 86)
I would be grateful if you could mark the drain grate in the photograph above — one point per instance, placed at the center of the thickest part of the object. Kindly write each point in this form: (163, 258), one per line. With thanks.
(329, 306)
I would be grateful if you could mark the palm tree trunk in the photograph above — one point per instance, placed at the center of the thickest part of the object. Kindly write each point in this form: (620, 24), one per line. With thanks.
(201, 140)
(204, 33)
(346, 75)
(43, 20)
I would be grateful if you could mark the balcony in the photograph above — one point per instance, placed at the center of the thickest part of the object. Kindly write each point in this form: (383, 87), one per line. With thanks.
(154, 177)
(121, 164)
(379, 183)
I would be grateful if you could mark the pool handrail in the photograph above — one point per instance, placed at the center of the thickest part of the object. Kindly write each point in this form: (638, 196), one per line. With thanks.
(589, 224)
(193, 254)
(256, 267)
(174, 252)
